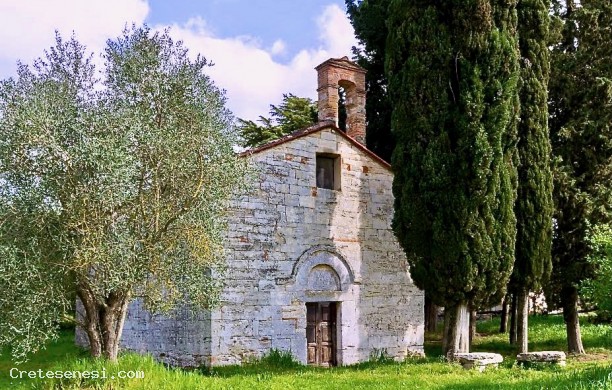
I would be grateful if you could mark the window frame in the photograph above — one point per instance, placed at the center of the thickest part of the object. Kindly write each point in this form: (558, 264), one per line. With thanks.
(336, 184)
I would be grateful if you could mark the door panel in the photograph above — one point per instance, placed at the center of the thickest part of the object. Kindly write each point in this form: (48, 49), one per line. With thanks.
(311, 332)
(320, 333)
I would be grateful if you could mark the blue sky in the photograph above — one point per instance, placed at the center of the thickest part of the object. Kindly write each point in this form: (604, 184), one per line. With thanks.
(261, 48)
(268, 20)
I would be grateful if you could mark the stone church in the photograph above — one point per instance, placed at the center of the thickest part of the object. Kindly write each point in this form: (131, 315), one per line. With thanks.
(313, 265)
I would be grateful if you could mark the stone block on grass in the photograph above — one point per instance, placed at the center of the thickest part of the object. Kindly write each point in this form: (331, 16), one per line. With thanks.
(479, 360)
(541, 357)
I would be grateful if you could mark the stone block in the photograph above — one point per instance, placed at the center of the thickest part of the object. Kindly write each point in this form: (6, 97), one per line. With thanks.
(479, 360)
(549, 357)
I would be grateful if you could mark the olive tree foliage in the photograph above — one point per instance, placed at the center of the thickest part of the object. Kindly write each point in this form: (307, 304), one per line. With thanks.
(113, 189)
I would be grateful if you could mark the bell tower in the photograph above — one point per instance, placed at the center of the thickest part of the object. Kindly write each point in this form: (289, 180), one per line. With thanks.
(340, 72)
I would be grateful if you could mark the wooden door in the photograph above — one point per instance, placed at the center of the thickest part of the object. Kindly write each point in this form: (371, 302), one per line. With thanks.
(321, 333)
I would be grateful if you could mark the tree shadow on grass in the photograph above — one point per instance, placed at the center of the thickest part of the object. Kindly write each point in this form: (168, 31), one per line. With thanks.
(264, 365)
(586, 378)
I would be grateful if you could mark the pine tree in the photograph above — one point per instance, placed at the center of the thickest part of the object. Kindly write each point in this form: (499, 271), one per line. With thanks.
(453, 71)
(581, 136)
(292, 114)
(534, 206)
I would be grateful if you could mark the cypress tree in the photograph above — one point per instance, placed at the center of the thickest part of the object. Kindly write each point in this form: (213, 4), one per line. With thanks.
(534, 206)
(368, 18)
(453, 71)
(581, 136)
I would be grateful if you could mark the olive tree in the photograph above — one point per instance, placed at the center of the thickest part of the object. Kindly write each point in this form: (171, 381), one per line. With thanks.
(114, 187)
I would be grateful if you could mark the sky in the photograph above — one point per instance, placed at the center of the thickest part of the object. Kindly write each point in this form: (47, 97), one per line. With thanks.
(260, 48)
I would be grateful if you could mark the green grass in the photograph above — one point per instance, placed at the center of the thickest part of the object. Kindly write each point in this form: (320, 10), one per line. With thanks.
(545, 333)
(278, 371)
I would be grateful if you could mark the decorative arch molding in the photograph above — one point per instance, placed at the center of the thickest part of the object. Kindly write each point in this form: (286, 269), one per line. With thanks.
(326, 262)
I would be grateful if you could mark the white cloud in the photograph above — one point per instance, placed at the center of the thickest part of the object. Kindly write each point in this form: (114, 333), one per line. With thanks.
(336, 31)
(278, 47)
(250, 74)
(28, 25)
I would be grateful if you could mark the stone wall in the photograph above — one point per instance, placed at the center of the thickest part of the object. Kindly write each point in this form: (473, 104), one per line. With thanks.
(180, 339)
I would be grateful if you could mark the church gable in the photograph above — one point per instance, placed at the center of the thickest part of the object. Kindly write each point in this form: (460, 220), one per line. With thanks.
(315, 158)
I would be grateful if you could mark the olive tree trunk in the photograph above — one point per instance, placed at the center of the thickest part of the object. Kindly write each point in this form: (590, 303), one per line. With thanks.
(456, 338)
(103, 322)
(569, 299)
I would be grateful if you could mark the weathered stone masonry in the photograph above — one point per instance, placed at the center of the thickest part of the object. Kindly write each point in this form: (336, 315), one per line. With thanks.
(342, 73)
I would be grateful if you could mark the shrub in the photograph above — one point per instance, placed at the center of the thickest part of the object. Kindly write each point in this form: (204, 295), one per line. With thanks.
(597, 290)
(280, 359)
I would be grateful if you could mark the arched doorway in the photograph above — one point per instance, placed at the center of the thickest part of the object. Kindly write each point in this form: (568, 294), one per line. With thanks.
(323, 279)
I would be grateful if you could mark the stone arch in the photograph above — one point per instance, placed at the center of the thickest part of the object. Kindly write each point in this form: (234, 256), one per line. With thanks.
(322, 268)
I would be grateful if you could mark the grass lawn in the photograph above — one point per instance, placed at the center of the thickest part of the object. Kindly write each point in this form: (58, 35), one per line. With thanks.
(593, 371)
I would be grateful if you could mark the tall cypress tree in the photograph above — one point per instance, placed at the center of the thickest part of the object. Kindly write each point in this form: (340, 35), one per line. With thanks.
(369, 20)
(534, 205)
(453, 71)
(581, 136)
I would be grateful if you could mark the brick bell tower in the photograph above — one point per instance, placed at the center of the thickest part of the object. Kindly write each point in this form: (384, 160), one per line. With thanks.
(340, 72)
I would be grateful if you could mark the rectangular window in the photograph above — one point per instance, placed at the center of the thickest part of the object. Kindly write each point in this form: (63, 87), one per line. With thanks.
(328, 171)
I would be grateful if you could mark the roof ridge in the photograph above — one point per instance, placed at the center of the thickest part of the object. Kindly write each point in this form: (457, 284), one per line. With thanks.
(313, 129)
